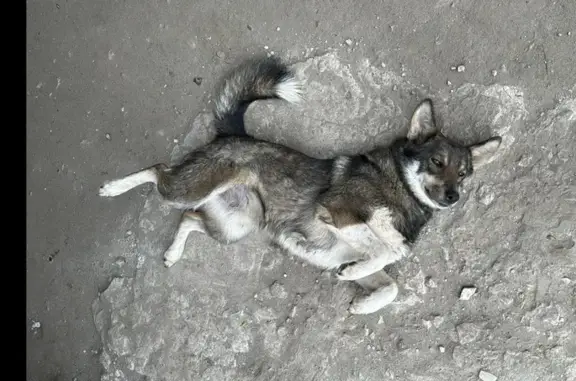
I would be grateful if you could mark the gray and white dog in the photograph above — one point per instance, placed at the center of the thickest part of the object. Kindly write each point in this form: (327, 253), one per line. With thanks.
(354, 214)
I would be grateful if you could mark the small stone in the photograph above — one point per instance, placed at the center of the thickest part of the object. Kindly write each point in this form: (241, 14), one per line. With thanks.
(265, 47)
(403, 74)
(494, 73)
(394, 88)
(278, 291)
(449, 83)
(383, 65)
(559, 34)
(427, 323)
(467, 292)
(348, 42)
(120, 261)
(277, 29)
(108, 137)
(198, 80)
(437, 321)
(175, 140)
(36, 325)
(453, 68)
(460, 68)
(468, 332)
(284, 275)
(485, 376)
(441, 349)
(569, 33)
(282, 331)
(380, 320)
(429, 282)
(566, 280)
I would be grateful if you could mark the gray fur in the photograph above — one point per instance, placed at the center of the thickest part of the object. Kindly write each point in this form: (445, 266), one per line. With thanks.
(313, 208)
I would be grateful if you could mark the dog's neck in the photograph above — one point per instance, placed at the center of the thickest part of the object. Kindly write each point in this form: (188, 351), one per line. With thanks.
(406, 172)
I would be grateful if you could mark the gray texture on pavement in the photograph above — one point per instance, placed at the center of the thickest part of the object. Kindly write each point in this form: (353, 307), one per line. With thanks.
(114, 86)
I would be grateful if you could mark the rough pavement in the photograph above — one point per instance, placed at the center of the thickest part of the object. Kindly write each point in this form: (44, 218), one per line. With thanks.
(113, 87)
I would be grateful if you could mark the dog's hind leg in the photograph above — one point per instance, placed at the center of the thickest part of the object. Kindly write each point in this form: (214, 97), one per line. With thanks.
(190, 222)
(383, 290)
(122, 185)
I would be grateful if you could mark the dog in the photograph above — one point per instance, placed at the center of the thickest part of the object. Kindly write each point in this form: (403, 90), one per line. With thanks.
(353, 215)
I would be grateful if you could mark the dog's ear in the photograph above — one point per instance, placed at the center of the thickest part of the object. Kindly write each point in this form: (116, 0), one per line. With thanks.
(422, 124)
(483, 152)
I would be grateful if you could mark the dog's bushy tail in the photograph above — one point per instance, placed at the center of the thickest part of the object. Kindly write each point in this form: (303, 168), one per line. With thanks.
(261, 78)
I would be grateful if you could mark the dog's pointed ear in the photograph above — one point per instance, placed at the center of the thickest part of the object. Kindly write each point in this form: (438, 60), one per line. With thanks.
(422, 124)
(483, 152)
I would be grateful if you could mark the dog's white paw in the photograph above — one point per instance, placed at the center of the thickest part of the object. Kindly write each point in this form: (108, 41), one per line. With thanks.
(168, 263)
(171, 256)
(355, 270)
(378, 299)
(111, 189)
(364, 306)
(359, 307)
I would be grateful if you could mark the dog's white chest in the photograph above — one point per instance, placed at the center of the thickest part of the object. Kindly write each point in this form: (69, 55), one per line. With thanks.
(360, 236)
(375, 234)
(382, 225)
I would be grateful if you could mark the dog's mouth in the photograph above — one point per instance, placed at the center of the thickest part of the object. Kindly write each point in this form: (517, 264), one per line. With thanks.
(439, 204)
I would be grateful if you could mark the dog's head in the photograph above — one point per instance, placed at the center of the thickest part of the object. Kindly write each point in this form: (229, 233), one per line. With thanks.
(436, 166)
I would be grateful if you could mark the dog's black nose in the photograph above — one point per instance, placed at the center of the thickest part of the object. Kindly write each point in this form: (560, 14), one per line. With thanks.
(452, 196)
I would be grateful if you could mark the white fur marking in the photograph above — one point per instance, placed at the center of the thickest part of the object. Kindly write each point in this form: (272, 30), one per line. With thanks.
(290, 90)
(117, 187)
(382, 226)
(414, 180)
(234, 224)
(176, 249)
(375, 301)
(378, 237)
(339, 167)
(340, 252)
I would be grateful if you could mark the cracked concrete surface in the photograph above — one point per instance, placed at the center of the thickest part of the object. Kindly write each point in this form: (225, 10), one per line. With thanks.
(230, 313)
(113, 87)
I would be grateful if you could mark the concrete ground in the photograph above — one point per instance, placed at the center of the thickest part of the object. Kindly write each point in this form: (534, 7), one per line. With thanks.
(116, 86)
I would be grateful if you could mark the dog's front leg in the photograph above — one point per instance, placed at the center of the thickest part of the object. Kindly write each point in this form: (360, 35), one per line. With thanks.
(382, 290)
(385, 245)
(364, 268)
(327, 252)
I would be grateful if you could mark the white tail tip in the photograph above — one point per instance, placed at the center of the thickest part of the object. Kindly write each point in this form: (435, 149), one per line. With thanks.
(290, 90)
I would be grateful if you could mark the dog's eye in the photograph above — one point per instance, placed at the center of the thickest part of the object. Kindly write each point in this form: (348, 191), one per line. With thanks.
(461, 174)
(437, 162)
